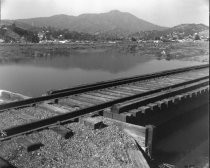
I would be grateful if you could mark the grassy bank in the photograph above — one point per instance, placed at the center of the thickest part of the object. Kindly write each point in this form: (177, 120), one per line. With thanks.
(166, 51)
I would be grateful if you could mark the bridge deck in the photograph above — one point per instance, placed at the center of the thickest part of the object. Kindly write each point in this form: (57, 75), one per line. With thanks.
(96, 97)
(130, 99)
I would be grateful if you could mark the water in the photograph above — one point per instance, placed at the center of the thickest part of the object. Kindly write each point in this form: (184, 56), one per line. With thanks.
(34, 73)
(187, 143)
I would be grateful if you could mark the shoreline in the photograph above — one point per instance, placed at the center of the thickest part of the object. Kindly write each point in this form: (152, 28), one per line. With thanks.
(186, 51)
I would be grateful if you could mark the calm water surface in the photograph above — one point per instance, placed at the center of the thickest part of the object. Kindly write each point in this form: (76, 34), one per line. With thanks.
(35, 75)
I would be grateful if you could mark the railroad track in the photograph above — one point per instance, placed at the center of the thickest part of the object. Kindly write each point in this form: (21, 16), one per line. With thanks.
(39, 113)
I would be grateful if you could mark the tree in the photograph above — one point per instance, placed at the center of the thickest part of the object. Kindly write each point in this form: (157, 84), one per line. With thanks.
(157, 38)
(197, 37)
(133, 39)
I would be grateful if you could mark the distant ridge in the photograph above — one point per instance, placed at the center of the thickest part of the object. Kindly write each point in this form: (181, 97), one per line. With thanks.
(189, 28)
(111, 22)
(182, 30)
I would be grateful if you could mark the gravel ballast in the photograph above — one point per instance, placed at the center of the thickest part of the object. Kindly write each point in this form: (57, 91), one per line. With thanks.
(104, 147)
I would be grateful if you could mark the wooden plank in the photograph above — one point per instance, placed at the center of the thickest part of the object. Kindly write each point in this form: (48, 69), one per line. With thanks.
(204, 73)
(149, 86)
(142, 84)
(143, 87)
(27, 117)
(170, 82)
(135, 112)
(86, 95)
(201, 70)
(168, 102)
(174, 81)
(138, 159)
(153, 106)
(88, 100)
(92, 122)
(66, 103)
(126, 106)
(161, 104)
(183, 77)
(75, 102)
(134, 89)
(125, 94)
(197, 74)
(172, 77)
(28, 144)
(107, 113)
(121, 117)
(126, 90)
(138, 132)
(66, 107)
(139, 88)
(192, 76)
(161, 84)
(96, 93)
(121, 91)
(63, 131)
(109, 93)
(135, 131)
(144, 109)
(127, 87)
(150, 137)
(166, 82)
(53, 109)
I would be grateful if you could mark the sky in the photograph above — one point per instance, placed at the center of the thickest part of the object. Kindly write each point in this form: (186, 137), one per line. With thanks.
(161, 12)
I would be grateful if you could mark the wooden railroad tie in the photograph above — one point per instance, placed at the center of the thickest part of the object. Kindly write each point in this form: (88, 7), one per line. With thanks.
(134, 110)
(62, 131)
(92, 122)
(28, 144)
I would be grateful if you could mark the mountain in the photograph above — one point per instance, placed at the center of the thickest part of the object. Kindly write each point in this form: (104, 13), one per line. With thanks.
(111, 22)
(188, 29)
(179, 31)
(204, 33)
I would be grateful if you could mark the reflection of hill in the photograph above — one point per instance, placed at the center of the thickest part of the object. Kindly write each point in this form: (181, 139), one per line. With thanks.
(111, 60)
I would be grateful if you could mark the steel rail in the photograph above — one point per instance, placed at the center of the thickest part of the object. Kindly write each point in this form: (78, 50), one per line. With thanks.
(120, 81)
(101, 85)
(45, 123)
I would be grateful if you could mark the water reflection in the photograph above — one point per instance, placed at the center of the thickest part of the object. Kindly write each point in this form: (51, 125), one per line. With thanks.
(33, 72)
(111, 60)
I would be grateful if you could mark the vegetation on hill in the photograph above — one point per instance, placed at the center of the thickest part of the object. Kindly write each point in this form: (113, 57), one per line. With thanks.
(111, 26)
(177, 32)
(113, 22)
(13, 33)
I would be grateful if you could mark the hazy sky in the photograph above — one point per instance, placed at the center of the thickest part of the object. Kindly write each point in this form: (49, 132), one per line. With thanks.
(161, 12)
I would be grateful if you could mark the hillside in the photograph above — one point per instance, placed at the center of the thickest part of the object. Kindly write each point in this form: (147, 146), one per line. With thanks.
(188, 29)
(112, 22)
(179, 31)
(204, 33)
